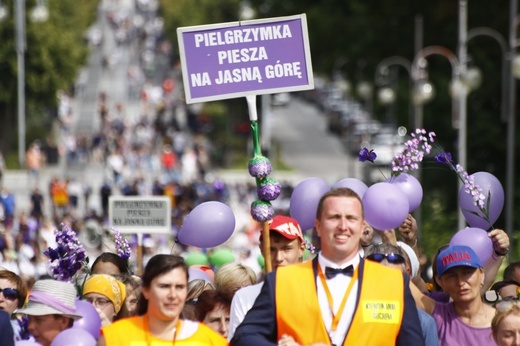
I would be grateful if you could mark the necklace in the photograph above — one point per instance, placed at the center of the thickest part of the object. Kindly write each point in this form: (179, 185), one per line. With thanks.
(147, 331)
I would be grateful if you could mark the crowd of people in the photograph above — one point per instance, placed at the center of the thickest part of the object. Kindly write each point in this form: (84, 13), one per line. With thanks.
(358, 289)
(347, 293)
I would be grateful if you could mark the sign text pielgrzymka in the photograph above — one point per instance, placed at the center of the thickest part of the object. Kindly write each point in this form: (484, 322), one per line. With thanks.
(230, 60)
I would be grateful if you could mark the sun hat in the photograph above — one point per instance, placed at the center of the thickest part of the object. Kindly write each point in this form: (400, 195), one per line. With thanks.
(414, 261)
(52, 297)
(286, 226)
(457, 256)
(108, 286)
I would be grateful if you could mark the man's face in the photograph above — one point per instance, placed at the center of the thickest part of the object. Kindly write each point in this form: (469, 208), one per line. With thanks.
(285, 251)
(45, 328)
(339, 227)
(167, 294)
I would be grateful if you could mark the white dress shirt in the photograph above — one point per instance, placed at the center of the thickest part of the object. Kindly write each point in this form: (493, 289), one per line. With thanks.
(337, 287)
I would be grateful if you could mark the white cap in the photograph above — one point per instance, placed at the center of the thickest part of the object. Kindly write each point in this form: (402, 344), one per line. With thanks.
(414, 261)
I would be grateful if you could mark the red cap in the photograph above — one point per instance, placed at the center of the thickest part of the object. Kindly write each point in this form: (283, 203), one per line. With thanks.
(286, 226)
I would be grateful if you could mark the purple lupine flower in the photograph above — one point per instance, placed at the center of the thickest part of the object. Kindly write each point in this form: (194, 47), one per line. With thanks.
(413, 152)
(367, 155)
(68, 257)
(122, 247)
(471, 188)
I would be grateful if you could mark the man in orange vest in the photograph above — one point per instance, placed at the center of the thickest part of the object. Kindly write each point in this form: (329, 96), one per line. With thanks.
(338, 298)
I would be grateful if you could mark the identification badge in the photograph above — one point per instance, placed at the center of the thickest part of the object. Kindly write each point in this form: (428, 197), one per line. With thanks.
(381, 311)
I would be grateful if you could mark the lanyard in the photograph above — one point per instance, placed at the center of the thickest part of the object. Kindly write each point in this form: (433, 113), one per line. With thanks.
(336, 317)
(147, 332)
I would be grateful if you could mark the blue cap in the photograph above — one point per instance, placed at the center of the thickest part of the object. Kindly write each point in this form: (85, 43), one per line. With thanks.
(457, 256)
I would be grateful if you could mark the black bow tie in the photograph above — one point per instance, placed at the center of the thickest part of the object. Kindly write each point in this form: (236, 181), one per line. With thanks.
(332, 272)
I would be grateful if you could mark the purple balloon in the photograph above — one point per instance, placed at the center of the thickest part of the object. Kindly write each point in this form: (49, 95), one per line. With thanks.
(304, 201)
(197, 273)
(386, 206)
(411, 187)
(490, 186)
(91, 322)
(354, 184)
(475, 238)
(74, 337)
(208, 225)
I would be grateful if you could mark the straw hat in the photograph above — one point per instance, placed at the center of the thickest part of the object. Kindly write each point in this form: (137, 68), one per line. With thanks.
(52, 297)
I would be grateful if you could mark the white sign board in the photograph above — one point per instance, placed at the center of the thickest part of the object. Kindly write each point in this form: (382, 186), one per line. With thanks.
(132, 214)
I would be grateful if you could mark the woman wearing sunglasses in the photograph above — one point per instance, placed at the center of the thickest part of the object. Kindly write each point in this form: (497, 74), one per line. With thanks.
(12, 297)
(506, 323)
(466, 320)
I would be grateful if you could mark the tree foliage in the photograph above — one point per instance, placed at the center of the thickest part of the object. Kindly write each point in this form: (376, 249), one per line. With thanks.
(55, 51)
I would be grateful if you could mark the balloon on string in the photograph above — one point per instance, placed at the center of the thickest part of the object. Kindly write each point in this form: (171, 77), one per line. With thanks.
(475, 238)
(354, 184)
(221, 256)
(208, 225)
(194, 258)
(91, 322)
(74, 337)
(385, 205)
(494, 195)
(411, 187)
(304, 201)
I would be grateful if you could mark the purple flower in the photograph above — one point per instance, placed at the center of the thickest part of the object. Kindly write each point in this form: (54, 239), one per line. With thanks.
(259, 167)
(68, 257)
(444, 158)
(269, 189)
(367, 155)
(122, 247)
(413, 152)
(471, 188)
(310, 247)
(262, 211)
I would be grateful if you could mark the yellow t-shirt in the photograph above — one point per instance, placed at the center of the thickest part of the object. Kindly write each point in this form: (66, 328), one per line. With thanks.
(132, 332)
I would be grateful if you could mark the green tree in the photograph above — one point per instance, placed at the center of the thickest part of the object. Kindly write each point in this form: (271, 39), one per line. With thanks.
(56, 50)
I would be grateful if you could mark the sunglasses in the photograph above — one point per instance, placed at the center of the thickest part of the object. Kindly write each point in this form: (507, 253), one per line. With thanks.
(10, 293)
(390, 257)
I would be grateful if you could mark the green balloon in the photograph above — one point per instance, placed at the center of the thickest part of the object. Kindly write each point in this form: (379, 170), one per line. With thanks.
(221, 256)
(261, 261)
(196, 258)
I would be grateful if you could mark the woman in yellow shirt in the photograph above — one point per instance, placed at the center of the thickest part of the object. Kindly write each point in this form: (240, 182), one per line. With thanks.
(158, 321)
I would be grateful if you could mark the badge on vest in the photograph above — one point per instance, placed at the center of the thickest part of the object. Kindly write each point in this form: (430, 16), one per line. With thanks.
(381, 311)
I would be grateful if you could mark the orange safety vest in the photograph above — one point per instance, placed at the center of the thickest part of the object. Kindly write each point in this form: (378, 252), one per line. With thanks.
(377, 317)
